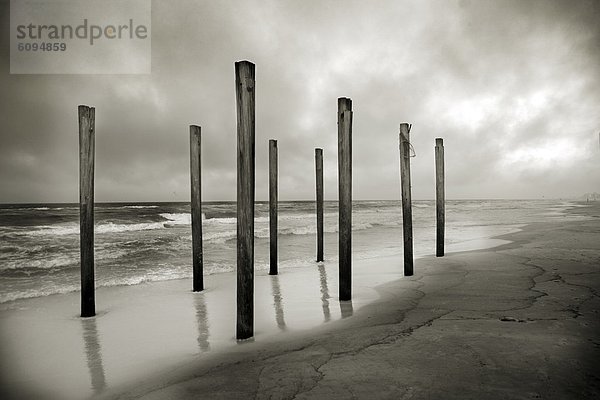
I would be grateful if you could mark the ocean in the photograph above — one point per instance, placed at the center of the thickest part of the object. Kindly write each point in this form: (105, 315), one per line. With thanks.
(144, 242)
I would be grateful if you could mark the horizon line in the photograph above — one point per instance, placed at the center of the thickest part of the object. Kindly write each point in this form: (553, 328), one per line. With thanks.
(296, 201)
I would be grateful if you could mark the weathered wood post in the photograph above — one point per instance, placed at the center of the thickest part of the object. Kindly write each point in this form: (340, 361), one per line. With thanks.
(346, 309)
(345, 196)
(87, 134)
(407, 233)
(273, 199)
(244, 85)
(196, 207)
(319, 181)
(440, 197)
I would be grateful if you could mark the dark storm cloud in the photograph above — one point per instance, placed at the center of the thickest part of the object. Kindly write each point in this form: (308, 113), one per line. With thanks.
(512, 87)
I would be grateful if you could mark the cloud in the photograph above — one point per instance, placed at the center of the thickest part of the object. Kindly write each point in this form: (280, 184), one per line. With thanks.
(512, 87)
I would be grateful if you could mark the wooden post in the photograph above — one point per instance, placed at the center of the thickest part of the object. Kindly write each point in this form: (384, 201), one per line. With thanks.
(87, 121)
(439, 196)
(345, 196)
(346, 309)
(319, 180)
(273, 198)
(244, 85)
(406, 198)
(196, 207)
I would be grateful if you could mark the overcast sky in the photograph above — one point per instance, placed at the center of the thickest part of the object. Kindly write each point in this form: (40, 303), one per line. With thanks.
(513, 87)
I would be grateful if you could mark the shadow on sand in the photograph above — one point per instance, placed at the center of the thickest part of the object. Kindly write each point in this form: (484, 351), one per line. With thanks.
(93, 353)
(324, 292)
(202, 320)
(277, 302)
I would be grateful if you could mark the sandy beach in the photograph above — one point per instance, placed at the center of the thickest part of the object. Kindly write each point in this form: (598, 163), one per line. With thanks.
(518, 320)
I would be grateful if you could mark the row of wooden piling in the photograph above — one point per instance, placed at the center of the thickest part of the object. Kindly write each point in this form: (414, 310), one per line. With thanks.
(245, 109)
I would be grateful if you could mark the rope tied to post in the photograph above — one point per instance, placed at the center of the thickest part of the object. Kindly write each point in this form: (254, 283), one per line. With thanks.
(412, 153)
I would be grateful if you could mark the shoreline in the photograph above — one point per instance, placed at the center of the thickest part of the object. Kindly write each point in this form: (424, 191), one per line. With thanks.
(488, 240)
(38, 263)
(111, 376)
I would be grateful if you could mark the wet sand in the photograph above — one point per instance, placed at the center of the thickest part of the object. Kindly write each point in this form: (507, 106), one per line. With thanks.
(515, 321)
(142, 330)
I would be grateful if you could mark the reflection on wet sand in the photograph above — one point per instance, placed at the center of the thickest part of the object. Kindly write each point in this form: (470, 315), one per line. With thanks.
(93, 353)
(346, 308)
(202, 320)
(277, 302)
(324, 292)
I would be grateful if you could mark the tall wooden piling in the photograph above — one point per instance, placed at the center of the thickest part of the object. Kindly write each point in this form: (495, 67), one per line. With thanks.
(440, 195)
(273, 199)
(407, 232)
(319, 188)
(196, 207)
(345, 196)
(245, 90)
(87, 133)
